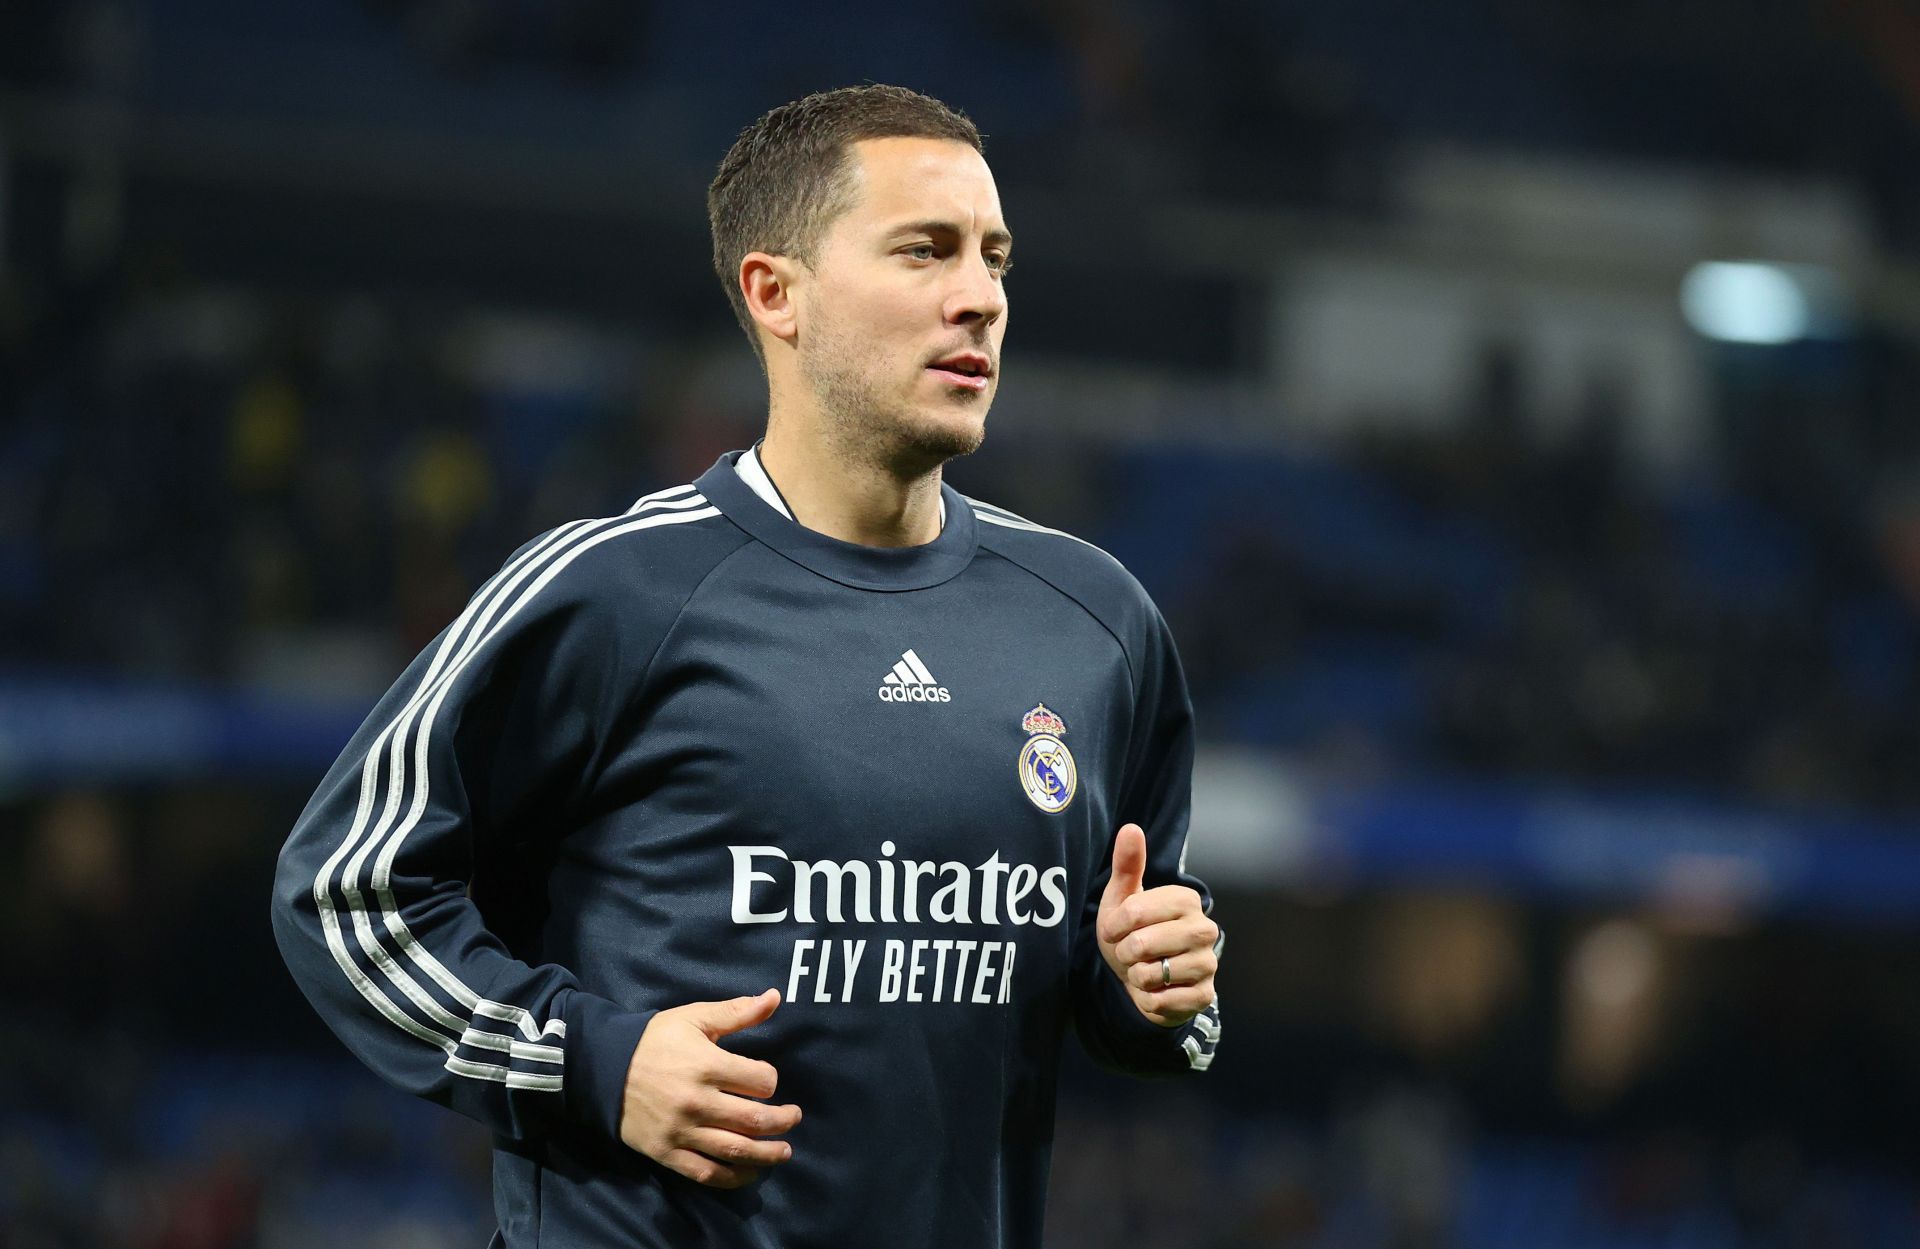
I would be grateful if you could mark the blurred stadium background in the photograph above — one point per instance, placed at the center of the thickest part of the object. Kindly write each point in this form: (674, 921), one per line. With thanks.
(1512, 404)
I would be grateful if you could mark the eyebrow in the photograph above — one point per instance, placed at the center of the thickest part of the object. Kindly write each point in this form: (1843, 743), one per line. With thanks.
(1000, 236)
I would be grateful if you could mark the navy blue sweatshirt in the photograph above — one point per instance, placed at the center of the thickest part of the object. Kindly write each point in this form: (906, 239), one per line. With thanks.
(698, 750)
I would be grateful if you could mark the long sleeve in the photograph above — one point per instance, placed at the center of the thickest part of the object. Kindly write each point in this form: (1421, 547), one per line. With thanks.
(1157, 794)
(483, 745)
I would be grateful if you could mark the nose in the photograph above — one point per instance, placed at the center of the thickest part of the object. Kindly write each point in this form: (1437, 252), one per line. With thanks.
(977, 294)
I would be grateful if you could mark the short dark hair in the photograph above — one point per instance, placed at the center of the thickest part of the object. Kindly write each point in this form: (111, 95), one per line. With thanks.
(785, 178)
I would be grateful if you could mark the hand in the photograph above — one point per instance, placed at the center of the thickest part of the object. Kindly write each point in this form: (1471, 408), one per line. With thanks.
(681, 1108)
(1138, 927)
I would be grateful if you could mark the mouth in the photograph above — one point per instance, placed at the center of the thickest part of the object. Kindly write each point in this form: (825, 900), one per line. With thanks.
(968, 369)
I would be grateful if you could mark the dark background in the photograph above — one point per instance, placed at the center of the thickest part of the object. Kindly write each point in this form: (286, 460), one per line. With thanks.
(1511, 406)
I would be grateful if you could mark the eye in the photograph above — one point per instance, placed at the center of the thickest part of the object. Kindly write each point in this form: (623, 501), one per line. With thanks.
(918, 248)
(1000, 264)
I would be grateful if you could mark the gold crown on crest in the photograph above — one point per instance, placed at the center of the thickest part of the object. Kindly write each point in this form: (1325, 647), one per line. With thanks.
(1041, 720)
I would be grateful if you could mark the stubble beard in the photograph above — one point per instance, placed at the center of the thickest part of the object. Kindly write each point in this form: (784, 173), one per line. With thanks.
(865, 427)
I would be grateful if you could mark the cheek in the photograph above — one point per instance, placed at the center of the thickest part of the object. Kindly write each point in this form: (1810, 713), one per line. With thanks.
(889, 325)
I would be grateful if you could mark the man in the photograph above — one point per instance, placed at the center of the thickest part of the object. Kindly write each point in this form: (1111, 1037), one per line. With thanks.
(815, 720)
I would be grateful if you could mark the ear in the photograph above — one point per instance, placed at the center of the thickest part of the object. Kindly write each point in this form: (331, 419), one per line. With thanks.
(767, 282)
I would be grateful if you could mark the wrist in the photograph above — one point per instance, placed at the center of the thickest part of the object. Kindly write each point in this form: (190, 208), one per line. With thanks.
(602, 1039)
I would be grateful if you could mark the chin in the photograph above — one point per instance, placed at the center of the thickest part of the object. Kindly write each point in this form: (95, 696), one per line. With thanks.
(956, 432)
(928, 440)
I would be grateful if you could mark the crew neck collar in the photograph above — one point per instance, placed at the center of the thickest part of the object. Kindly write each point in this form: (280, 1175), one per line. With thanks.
(755, 474)
(862, 567)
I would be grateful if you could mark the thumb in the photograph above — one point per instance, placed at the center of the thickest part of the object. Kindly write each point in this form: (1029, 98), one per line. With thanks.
(717, 1019)
(1129, 866)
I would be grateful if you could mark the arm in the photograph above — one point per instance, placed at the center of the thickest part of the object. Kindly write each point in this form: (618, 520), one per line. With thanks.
(488, 736)
(1146, 903)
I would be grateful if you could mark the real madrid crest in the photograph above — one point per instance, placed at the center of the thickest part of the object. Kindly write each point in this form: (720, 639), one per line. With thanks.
(1047, 772)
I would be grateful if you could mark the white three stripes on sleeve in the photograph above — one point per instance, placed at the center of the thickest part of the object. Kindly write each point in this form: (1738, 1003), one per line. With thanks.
(1206, 1036)
(546, 559)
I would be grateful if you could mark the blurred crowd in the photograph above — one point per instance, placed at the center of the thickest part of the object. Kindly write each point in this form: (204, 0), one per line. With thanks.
(1492, 599)
(195, 476)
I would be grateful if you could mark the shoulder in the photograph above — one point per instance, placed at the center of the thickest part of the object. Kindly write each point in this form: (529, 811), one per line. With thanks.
(625, 570)
(1073, 566)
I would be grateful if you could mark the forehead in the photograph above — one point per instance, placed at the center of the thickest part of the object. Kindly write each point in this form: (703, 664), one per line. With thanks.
(911, 179)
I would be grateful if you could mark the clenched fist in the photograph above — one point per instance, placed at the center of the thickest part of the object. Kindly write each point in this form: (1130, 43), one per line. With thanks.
(687, 1103)
(1158, 941)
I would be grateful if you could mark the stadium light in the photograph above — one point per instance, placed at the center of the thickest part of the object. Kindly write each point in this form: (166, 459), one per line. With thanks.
(1754, 301)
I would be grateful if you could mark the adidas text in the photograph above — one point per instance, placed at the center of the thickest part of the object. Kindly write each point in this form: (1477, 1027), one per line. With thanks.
(915, 694)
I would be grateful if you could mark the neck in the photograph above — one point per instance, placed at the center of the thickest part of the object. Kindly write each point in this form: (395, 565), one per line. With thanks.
(863, 503)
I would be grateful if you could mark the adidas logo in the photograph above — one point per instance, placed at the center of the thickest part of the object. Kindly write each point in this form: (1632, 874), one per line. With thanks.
(910, 682)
